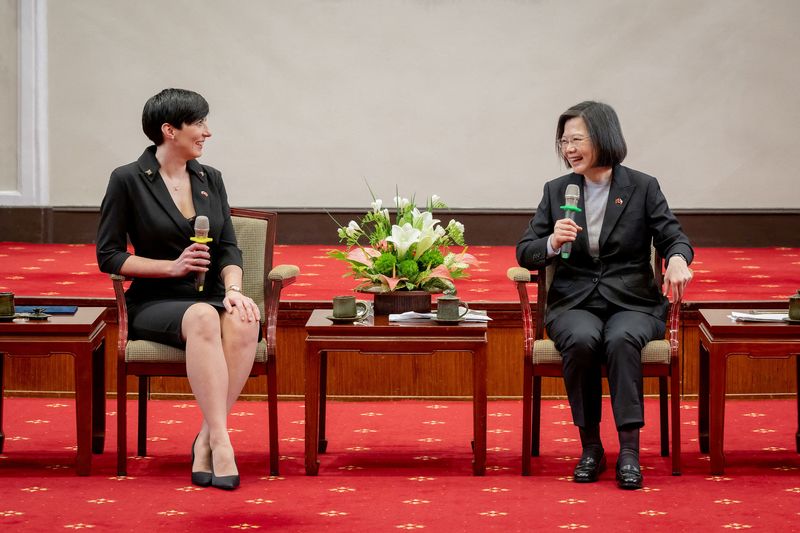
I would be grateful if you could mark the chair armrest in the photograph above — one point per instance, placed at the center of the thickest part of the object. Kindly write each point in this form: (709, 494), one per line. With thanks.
(516, 274)
(283, 272)
(280, 276)
(122, 313)
(673, 327)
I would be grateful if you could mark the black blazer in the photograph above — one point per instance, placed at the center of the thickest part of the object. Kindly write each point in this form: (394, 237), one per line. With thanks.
(138, 206)
(636, 215)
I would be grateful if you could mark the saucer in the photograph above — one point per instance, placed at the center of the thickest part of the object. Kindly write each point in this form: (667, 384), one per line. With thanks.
(7, 318)
(33, 316)
(448, 320)
(341, 319)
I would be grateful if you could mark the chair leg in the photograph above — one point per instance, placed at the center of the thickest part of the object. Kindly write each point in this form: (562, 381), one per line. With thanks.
(536, 421)
(122, 420)
(323, 401)
(2, 435)
(272, 414)
(144, 395)
(797, 384)
(675, 393)
(664, 415)
(527, 407)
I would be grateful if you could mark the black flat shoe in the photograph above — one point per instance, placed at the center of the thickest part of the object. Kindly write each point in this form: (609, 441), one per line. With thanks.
(629, 476)
(224, 482)
(201, 479)
(589, 468)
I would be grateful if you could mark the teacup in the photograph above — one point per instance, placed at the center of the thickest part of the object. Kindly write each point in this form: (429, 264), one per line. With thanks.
(449, 308)
(794, 306)
(348, 307)
(6, 304)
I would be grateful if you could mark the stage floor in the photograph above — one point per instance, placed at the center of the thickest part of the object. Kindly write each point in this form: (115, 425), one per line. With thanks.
(721, 274)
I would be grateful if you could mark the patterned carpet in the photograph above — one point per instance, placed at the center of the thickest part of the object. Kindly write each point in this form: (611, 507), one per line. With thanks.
(726, 274)
(395, 466)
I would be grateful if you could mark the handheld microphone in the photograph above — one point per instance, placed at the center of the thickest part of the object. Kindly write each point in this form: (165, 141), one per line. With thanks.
(201, 228)
(570, 207)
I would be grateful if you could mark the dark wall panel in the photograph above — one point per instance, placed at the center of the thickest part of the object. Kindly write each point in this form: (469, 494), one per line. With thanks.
(706, 228)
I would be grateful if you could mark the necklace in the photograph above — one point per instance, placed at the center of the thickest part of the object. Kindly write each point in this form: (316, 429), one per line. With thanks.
(171, 185)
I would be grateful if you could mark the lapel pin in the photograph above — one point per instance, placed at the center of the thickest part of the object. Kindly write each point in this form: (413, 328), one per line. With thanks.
(148, 172)
(618, 201)
(204, 193)
(202, 173)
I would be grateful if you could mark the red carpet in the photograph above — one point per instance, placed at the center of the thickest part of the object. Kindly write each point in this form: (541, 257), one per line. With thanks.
(725, 274)
(395, 466)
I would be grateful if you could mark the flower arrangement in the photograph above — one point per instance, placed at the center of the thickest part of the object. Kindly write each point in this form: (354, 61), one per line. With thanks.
(409, 254)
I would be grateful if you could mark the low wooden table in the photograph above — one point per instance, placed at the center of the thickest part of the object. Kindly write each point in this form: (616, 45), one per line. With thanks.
(721, 337)
(377, 336)
(82, 336)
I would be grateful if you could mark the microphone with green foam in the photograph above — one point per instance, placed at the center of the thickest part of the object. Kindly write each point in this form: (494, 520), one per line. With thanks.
(570, 207)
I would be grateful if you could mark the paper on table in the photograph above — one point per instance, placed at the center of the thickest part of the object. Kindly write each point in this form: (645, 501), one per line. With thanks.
(471, 316)
(759, 317)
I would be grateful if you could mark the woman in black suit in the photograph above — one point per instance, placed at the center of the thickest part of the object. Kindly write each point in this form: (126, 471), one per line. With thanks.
(153, 202)
(603, 304)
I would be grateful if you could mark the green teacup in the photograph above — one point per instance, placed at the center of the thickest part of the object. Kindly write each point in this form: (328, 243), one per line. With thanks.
(449, 308)
(6, 304)
(348, 307)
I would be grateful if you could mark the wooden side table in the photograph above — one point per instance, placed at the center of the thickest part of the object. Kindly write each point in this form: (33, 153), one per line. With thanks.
(721, 337)
(82, 336)
(377, 336)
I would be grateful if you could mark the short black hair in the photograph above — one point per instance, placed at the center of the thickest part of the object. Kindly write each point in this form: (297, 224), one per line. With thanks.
(604, 130)
(171, 106)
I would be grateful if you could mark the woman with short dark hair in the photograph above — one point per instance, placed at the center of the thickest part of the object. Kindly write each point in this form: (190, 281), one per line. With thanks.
(603, 305)
(153, 202)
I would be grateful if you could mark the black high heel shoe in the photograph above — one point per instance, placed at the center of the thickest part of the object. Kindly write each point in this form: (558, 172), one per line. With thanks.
(223, 482)
(201, 479)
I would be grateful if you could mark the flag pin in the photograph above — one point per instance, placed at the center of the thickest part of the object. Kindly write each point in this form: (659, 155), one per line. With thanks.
(204, 193)
(148, 172)
(618, 201)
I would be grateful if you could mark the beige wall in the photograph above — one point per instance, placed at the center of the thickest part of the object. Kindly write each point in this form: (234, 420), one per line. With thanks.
(310, 98)
(8, 90)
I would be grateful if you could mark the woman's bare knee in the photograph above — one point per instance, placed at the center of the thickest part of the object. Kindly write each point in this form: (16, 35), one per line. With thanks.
(201, 320)
(233, 328)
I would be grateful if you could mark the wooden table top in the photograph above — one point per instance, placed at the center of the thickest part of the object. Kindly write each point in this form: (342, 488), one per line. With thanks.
(84, 320)
(319, 324)
(720, 323)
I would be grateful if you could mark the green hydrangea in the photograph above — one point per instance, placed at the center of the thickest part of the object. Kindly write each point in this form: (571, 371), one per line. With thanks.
(385, 264)
(407, 269)
(431, 258)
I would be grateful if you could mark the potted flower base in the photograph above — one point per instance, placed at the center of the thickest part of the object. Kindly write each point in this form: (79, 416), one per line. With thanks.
(386, 303)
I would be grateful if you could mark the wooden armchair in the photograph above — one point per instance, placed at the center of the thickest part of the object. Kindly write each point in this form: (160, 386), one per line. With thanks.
(541, 359)
(255, 234)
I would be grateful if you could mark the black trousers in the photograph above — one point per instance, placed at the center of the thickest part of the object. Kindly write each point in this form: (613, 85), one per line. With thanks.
(598, 333)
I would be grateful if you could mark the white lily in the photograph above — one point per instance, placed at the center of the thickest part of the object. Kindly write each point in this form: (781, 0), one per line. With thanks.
(423, 221)
(403, 238)
(376, 206)
(401, 202)
(352, 229)
(426, 239)
(458, 225)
